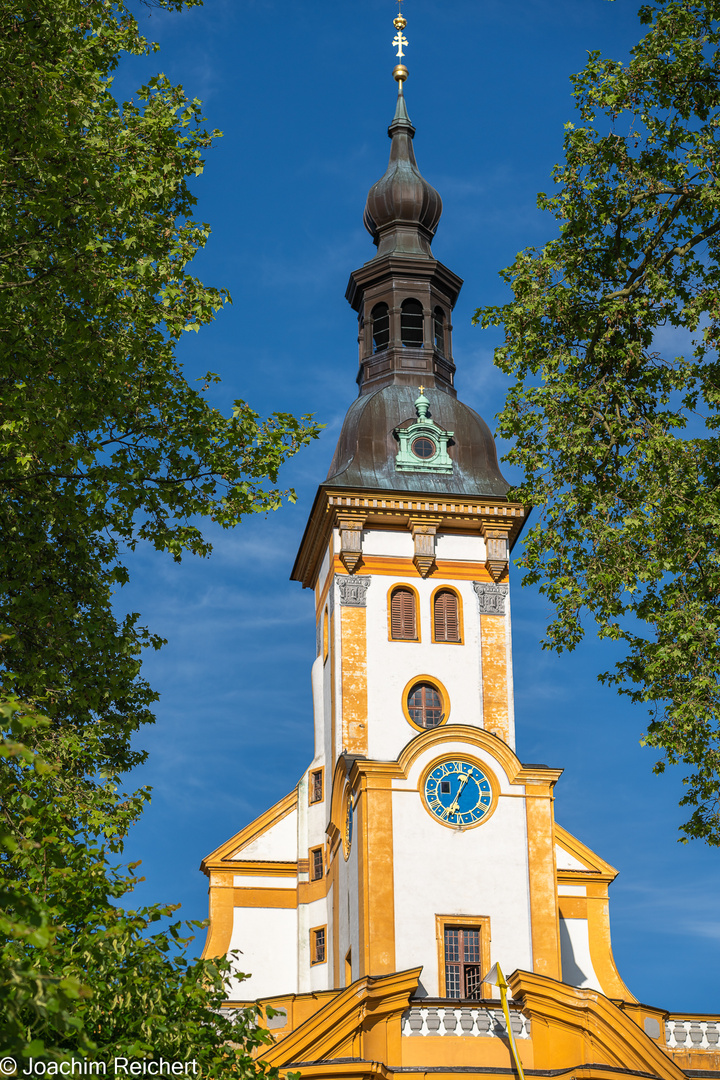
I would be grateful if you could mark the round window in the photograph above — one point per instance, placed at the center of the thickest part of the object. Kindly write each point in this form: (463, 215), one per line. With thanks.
(423, 448)
(425, 705)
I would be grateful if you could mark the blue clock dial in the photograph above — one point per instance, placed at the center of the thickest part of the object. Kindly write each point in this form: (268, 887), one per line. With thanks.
(458, 793)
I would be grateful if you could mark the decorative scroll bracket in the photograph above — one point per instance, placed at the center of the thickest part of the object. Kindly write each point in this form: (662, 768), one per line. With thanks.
(491, 598)
(351, 529)
(424, 531)
(497, 548)
(353, 590)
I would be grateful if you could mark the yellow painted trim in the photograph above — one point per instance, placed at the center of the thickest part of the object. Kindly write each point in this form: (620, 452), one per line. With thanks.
(255, 867)
(353, 652)
(599, 940)
(376, 875)
(461, 622)
(252, 831)
(486, 772)
(573, 907)
(494, 661)
(474, 922)
(407, 641)
(333, 690)
(444, 696)
(572, 1028)
(316, 802)
(325, 636)
(346, 1017)
(313, 942)
(583, 854)
(544, 916)
(264, 898)
(399, 566)
(221, 916)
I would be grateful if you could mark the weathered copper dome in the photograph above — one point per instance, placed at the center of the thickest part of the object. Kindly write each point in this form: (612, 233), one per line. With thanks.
(402, 210)
(366, 452)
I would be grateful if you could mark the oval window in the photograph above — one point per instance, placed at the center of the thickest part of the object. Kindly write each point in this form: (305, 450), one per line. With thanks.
(425, 705)
(423, 448)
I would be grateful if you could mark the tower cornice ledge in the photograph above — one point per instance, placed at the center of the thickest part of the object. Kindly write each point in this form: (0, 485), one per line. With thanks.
(383, 508)
(385, 268)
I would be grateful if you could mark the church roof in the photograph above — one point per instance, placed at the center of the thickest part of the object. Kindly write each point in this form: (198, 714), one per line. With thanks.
(366, 451)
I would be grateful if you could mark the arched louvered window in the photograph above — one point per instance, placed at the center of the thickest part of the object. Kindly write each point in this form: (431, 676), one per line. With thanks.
(411, 324)
(403, 615)
(439, 329)
(380, 316)
(446, 616)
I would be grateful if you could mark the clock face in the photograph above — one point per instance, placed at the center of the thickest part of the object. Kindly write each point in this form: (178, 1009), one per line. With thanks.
(458, 793)
(348, 825)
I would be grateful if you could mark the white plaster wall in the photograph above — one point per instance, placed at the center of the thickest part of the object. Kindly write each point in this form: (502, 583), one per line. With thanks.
(392, 664)
(260, 881)
(267, 942)
(442, 871)
(565, 861)
(577, 968)
(388, 542)
(279, 843)
(319, 975)
(462, 548)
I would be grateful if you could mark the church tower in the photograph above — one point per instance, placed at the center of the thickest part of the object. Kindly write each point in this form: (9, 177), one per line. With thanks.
(417, 850)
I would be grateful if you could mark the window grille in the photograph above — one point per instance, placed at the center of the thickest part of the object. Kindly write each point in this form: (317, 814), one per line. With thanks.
(317, 945)
(446, 620)
(316, 864)
(316, 786)
(425, 705)
(411, 324)
(380, 316)
(439, 329)
(403, 615)
(463, 977)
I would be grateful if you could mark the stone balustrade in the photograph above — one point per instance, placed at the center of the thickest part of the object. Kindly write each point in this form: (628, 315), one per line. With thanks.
(463, 1020)
(693, 1033)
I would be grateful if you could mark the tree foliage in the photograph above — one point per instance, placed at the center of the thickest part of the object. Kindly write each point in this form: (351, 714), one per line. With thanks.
(617, 434)
(104, 443)
(80, 976)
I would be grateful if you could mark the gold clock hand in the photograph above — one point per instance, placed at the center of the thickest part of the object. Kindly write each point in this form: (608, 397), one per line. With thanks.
(456, 804)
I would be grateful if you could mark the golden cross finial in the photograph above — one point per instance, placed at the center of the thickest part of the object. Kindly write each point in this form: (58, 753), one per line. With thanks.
(400, 22)
(422, 389)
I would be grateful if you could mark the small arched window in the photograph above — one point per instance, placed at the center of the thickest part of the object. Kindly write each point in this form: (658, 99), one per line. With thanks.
(411, 324)
(403, 615)
(425, 705)
(446, 617)
(380, 316)
(439, 329)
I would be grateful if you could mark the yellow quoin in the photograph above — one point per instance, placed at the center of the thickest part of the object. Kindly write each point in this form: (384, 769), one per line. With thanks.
(417, 851)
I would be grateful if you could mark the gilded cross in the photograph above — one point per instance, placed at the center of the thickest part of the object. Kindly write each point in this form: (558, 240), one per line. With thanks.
(400, 40)
(422, 389)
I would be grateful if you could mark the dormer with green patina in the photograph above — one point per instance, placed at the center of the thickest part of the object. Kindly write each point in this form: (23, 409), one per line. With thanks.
(423, 443)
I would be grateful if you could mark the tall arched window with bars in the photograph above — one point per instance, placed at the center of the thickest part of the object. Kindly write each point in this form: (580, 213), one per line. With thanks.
(403, 615)
(380, 316)
(439, 329)
(446, 617)
(411, 324)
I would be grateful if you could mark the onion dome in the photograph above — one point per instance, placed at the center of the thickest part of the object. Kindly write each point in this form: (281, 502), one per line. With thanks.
(402, 210)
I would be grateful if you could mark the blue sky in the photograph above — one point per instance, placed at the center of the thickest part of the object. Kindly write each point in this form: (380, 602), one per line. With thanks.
(302, 90)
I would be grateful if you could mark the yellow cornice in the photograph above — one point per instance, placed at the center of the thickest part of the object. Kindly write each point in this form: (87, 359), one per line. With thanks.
(219, 857)
(396, 508)
(598, 867)
(516, 772)
(586, 1024)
